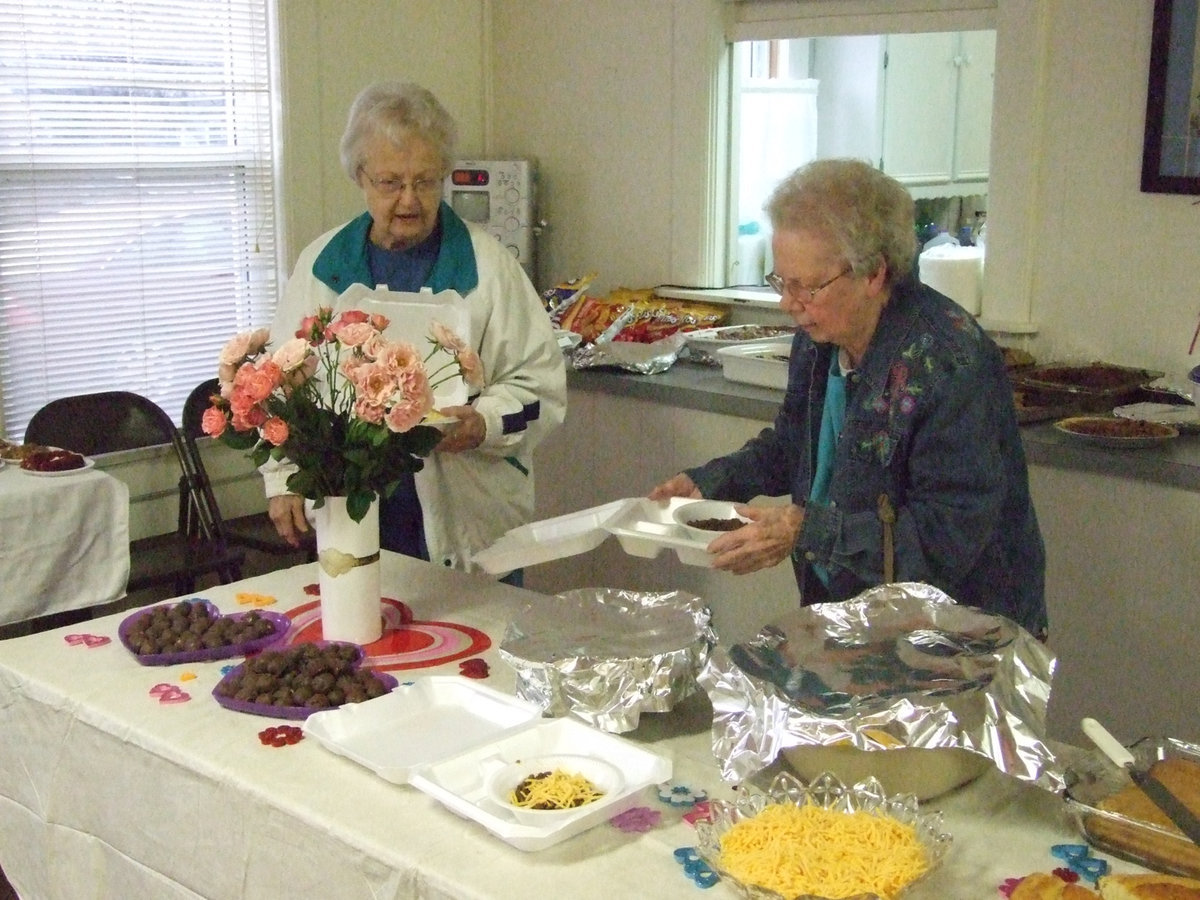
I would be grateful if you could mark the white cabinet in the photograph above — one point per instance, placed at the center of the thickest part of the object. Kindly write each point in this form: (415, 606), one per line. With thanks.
(937, 108)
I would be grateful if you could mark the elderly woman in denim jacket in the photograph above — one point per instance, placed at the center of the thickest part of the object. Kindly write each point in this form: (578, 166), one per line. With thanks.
(897, 439)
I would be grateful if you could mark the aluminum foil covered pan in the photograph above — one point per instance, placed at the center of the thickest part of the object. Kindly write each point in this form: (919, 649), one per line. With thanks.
(899, 667)
(607, 655)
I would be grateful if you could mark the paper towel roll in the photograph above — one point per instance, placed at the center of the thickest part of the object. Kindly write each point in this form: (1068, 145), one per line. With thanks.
(956, 272)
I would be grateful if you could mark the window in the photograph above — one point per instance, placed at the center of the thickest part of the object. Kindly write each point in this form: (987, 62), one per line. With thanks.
(137, 221)
(917, 105)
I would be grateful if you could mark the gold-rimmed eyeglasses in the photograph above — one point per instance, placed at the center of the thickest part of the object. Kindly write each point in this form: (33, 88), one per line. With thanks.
(792, 286)
(394, 187)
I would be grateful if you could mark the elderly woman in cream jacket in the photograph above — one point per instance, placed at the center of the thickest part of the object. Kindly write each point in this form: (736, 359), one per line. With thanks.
(398, 147)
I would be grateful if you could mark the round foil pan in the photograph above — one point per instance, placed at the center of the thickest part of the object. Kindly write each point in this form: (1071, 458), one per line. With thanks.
(607, 655)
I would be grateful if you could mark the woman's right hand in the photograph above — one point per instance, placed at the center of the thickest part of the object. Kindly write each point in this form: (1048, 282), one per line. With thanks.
(287, 514)
(679, 486)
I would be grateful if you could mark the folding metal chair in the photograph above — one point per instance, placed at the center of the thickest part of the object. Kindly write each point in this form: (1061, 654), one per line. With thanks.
(255, 531)
(111, 421)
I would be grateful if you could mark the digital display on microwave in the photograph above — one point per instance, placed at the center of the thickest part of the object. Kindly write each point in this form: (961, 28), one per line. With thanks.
(473, 206)
(471, 177)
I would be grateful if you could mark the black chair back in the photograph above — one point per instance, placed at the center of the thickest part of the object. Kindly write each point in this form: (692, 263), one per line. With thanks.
(112, 421)
(254, 531)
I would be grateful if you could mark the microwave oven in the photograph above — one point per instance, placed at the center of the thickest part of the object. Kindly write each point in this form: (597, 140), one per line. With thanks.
(500, 195)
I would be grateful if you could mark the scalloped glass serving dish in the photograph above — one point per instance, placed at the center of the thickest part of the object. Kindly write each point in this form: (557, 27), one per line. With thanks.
(828, 792)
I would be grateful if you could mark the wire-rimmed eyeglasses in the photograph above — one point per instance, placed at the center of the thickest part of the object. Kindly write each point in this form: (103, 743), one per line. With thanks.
(784, 287)
(394, 187)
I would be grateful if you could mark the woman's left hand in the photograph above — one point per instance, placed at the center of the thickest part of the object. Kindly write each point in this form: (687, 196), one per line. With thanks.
(465, 434)
(765, 542)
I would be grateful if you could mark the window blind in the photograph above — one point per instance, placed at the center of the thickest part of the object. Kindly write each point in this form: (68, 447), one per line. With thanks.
(137, 220)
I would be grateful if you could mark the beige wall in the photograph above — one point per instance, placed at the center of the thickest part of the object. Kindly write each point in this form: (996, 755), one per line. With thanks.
(330, 50)
(616, 99)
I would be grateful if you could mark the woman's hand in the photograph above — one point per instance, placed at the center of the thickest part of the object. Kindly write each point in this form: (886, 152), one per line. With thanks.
(287, 514)
(765, 542)
(465, 434)
(679, 486)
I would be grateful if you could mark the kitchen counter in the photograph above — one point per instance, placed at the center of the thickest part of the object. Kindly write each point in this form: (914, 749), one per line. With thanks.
(688, 386)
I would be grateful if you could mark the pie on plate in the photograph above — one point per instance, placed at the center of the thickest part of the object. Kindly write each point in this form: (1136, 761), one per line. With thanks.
(1112, 431)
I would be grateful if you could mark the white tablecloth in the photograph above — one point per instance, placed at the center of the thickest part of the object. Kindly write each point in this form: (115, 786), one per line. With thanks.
(105, 792)
(64, 542)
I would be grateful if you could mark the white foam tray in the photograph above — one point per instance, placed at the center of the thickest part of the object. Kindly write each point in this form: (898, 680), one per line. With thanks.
(751, 364)
(703, 344)
(643, 528)
(445, 736)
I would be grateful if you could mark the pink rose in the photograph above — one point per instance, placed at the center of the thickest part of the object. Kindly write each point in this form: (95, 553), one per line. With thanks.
(471, 367)
(404, 415)
(368, 411)
(373, 346)
(275, 430)
(399, 355)
(355, 334)
(291, 355)
(375, 385)
(260, 381)
(243, 345)
(213, 422)
(446, 339)
(380, 322)
(253, 417)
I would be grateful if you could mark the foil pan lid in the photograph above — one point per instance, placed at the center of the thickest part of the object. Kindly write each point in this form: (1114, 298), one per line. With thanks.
(901, 665)
(607, 655)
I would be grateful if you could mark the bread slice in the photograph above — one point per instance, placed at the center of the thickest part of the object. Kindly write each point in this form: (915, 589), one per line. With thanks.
(1046, 886)
(1148, 887)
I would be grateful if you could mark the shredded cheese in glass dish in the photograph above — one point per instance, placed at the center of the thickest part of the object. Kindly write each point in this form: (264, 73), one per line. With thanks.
(823, 840)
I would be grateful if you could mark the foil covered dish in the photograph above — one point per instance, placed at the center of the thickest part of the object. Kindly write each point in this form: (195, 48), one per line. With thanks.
(900, 683)
(821, 840)
(606, 655)
(1116, 816)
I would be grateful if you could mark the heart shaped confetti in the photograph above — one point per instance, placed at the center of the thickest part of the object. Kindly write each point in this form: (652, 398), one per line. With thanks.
(474, 668)
(87, 640)
(248, 598)
(169, 693)
(280, 735)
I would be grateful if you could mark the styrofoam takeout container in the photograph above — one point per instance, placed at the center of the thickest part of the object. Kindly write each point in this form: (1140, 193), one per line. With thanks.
(448, 737)
(763, 363)
(643, 528)
(702, 345)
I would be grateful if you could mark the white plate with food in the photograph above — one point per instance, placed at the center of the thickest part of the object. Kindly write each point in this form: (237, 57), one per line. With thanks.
(53, 457)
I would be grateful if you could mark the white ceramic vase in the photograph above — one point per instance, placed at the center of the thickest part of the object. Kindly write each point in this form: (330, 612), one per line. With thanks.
(348, 559)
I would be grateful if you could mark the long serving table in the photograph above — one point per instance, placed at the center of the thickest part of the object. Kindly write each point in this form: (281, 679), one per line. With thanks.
(107, 792)
(64, 541)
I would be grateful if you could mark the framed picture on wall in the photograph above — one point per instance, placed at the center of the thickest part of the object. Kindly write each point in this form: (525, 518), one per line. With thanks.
(1171, 153)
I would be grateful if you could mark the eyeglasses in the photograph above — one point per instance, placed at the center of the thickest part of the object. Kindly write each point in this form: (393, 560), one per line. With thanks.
(394, 187)
(792, 285)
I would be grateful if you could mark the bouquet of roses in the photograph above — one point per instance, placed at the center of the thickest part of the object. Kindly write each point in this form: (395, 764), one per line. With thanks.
(349, 408)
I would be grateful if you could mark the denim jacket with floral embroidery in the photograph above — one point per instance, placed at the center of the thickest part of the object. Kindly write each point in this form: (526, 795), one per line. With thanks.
(930, 422)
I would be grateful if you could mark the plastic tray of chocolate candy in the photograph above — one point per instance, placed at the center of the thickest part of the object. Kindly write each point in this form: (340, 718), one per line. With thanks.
(294, 682)
(196, 631)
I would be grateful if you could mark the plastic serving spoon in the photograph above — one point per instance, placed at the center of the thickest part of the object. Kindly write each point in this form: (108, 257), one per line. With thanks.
(1151, 786)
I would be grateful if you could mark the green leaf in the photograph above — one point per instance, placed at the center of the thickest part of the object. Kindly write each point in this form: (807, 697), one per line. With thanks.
(358, 503)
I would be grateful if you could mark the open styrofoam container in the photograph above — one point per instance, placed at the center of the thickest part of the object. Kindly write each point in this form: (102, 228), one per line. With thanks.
(643, 528)
(410, 316)
(446, 736)
(763, 363)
